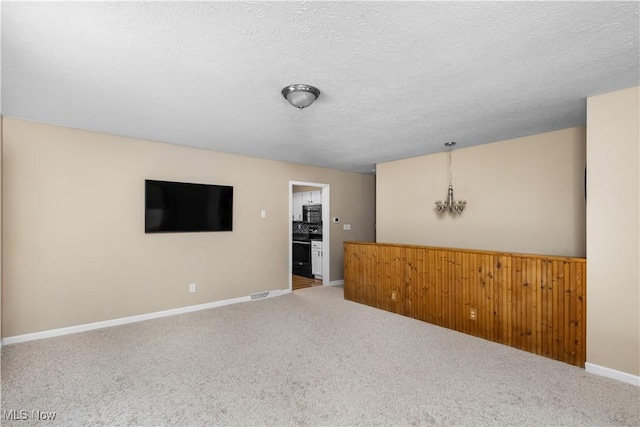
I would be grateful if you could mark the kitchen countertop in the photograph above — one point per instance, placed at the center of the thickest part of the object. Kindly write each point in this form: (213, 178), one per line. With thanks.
(306, 237)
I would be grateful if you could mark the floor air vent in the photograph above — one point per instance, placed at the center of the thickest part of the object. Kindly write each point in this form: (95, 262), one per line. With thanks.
(259, 295)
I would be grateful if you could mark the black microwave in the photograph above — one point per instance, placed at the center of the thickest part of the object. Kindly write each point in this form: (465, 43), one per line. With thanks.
(312, 213)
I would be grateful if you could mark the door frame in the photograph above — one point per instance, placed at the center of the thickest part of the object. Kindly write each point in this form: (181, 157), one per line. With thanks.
(326, 229)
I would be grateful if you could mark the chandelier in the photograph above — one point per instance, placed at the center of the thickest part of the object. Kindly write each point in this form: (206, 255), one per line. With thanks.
(451, 205)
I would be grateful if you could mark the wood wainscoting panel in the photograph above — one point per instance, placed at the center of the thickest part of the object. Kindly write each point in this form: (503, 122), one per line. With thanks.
(535, 303)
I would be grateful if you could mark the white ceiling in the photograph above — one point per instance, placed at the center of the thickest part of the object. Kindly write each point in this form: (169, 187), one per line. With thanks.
(398, 79)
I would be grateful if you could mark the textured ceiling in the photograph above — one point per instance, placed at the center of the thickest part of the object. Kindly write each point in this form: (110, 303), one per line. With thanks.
(398, 79)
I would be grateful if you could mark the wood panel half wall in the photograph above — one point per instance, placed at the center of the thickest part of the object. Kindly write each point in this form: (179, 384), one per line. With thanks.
(534, 303)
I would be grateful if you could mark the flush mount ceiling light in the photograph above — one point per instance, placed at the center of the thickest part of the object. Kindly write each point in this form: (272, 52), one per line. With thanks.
(451, 205)
(300, 96)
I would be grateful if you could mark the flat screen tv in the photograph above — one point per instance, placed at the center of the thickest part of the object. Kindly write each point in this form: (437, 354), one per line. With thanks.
(178, 207)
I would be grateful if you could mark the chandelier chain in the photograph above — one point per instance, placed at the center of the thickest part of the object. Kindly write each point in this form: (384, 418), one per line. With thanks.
(450, 204)
(450, 166)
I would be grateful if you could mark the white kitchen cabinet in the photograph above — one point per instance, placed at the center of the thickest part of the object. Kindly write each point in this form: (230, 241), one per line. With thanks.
(316, 197)
(316, 258)
(297, 202)
(311, 197)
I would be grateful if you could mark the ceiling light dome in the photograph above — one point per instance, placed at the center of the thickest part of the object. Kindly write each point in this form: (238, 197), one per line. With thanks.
(300, 96)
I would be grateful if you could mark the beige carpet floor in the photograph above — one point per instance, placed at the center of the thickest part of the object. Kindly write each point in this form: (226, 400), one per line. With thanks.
(306, 358)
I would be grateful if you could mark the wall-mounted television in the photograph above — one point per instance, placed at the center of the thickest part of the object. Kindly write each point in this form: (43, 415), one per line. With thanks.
(179, 207)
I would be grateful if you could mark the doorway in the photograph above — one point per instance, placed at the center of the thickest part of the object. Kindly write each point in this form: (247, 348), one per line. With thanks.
(309, 231)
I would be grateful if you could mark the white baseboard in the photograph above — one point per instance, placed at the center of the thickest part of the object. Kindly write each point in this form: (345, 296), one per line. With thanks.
(335, 283)
(612, 373)
(131, 319)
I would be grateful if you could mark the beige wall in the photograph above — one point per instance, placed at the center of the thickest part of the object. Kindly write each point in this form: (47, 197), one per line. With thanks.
(523, 195)
(613, 248)
(75, 250)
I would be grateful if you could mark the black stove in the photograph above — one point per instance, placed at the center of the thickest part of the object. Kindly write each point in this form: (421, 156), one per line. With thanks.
(301, 253)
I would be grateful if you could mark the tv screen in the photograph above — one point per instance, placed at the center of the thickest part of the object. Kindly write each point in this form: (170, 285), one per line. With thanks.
(178, 207)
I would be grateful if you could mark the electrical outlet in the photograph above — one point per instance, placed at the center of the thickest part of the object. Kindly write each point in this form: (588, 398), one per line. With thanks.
(192, 287)
(473, 314)
(393, 296)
